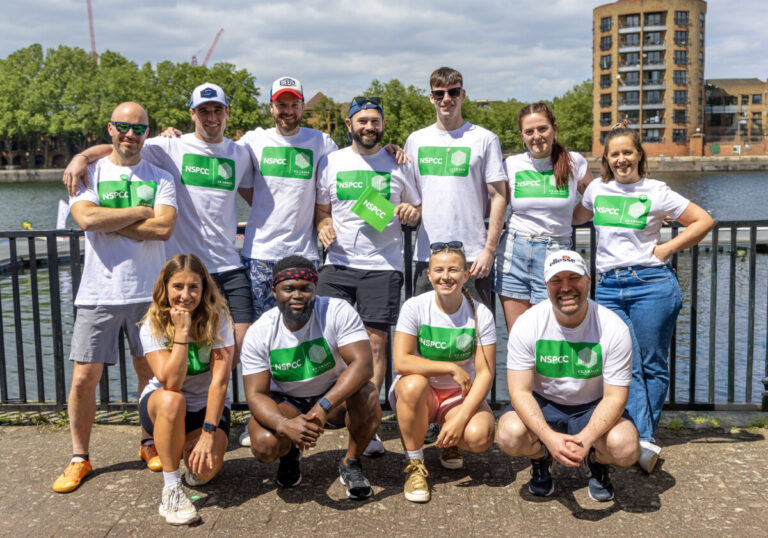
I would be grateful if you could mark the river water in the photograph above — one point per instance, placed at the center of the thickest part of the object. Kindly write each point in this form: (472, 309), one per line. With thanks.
(728, 196)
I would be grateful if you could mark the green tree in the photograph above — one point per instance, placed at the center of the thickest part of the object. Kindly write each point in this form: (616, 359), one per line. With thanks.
(330, 120)
(574, 117)
(405, 109)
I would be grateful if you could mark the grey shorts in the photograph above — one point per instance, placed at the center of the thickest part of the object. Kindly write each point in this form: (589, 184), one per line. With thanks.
(96, 331)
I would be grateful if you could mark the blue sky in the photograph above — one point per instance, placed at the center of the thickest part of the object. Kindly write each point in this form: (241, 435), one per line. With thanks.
(504, 48)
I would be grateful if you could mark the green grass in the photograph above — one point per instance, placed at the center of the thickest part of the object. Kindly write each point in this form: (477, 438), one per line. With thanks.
(675, 425)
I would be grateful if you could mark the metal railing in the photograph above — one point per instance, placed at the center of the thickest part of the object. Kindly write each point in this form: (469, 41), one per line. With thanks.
(33, 265)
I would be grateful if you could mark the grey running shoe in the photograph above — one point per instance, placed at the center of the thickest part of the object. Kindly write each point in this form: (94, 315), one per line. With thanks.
(600, 487)
(351, 476)
(245, 438)
(433, 430)
(541, 483)
(176, 508)
(375, 448)
(289, 470)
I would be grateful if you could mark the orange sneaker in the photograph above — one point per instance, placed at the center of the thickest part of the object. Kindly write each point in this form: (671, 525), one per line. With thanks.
(149, 454)
(72, 476)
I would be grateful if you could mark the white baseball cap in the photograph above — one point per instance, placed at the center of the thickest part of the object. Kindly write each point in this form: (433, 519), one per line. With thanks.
(286, 84)
(564, 260)
(207, 93)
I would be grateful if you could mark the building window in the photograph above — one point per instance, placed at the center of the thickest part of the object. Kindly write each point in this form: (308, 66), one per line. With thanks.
(606, 23)
(605, 81)
(632, 78)
(679, 135)
(681, 57)
(681, 37)
(654, 57)
(701, 59)
(605, 62)
(680, 116)
(606, 43)
(652, 135)
(654, 97)
(629, 59)
(745, 99)
(757, 117)
(631, 40)
(603, 134)
(653, 116)
(757, 98)
(631, 21)
(654, 77)
(701, 77)
(654, 38)
(632, 117)
(701, 20)
(681, 97)
(654, 19)
(680, 77)
(631, 98)
(605, 119)
(681, 18)
(701, 39)
(605, 99)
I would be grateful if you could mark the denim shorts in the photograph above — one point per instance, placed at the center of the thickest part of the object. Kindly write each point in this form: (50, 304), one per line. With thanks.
(520, 265)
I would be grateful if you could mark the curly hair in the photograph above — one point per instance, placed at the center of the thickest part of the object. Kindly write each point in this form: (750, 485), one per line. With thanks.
(206, 318)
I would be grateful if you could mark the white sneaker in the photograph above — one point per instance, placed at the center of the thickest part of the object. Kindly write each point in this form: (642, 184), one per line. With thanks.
(176, 508)
(375, 447)
(649, 455)
(194, 480)
(245, 439)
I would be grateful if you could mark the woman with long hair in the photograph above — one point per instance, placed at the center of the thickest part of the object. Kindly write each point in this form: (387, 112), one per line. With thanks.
(188, 339)
(444, 353)
(544, 187)
(635, 278)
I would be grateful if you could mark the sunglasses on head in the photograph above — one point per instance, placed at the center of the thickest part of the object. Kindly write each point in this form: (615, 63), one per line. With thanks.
(453, 92)
(123, 127)
(437, 247)
(360, 101)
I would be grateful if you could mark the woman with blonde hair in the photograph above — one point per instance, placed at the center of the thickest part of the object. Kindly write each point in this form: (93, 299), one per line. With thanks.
(444, 353)
(189, 342)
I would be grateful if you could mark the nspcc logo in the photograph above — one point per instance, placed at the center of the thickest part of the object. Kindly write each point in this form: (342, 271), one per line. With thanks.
(210, 172)
(533, 184)
(562, 359)
(305, 361)
(350, 184)
(444, 161)
(445, 344)
(622, 211)
(287, 162)
(126, 193)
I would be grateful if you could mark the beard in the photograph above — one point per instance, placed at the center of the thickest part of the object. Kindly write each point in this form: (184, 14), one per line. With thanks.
(357, 136)
(297, 318)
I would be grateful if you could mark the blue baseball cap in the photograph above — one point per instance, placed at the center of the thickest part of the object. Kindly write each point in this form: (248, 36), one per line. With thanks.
(362, 103)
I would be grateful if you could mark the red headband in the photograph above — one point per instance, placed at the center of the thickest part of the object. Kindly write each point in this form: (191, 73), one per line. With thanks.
(295, 274)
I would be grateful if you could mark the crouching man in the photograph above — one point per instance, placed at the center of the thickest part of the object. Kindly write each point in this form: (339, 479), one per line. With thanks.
(307, 364)
(569, 367)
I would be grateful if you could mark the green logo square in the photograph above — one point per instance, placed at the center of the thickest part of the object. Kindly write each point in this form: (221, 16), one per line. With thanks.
(374, 209)
(305, 361)
(126, 193)
(622, 211)
(210, 172)
(287, 162)
(562, 359)
(533, 184)
(444, 344)
(350, 184)
(444, 161)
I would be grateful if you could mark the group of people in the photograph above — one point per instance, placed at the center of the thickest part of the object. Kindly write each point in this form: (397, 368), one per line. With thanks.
(586, 379)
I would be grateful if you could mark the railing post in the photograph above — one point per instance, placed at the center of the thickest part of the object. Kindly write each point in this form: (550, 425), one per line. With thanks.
(58, 346)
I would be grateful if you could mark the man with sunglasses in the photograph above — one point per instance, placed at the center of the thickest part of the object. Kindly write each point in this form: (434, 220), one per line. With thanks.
(127, 212)
(208, 169)
(458, 166)
(364, 266)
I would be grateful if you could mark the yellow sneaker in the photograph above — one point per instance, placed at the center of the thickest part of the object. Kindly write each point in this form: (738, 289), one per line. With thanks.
(416, 488)
(149, 454)
(451, 458)
(72, 476)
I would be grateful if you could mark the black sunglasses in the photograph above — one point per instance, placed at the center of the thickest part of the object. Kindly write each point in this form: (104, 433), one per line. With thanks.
(453, 92)
(360, 101)
(438, 246)
(123, 127)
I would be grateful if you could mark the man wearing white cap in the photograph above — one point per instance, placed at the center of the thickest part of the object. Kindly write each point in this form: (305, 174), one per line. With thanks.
(208, 169)
(569, 367)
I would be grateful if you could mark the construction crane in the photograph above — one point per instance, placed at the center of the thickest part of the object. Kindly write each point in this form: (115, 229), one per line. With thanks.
(93, 38)
(210, 51)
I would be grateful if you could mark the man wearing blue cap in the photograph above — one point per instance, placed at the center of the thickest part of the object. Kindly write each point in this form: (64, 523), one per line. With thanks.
(208, 169)
(364, 266)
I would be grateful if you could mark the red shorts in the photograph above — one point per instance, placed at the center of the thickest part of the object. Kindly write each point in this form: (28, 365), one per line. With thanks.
(444, 400)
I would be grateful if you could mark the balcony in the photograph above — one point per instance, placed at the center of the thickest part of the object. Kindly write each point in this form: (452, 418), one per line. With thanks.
(655, 28)
(651, 125)
(656, 105)
(653, 84)
(650, 67)
(632, 67)
(635, 106)
(629, 88)
(653, 139)
(629, 29)
(629, 48)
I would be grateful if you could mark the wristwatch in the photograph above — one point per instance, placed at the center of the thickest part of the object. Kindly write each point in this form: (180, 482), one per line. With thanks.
(209, 427)
(325, 404)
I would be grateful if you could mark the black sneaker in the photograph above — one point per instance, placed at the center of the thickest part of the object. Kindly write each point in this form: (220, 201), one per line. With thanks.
(351, 476)
(433, 430)
(600, 487)
(289, 471)
(541, 483)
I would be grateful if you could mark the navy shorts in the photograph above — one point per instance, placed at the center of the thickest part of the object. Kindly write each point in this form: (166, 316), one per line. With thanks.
(302, 404)
(236, 288)
(570, 419)
(192, 421)
(374, 293)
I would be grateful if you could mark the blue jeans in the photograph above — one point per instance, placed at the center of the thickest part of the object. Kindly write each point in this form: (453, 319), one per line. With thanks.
(648, 299)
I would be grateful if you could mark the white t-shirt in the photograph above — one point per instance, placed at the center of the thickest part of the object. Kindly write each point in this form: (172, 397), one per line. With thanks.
(446, 337)
(207, 178)
(628, 220)
(198, 379)
(452, 170)
(306, 362)
(281, 222)
(538, 207)
(341, 178)
(571, 365)
(120, 270)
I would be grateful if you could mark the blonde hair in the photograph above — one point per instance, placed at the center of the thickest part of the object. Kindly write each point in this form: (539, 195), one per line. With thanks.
(204, 329)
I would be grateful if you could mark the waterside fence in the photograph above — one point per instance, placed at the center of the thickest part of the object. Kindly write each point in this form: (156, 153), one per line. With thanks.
(718, 357)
